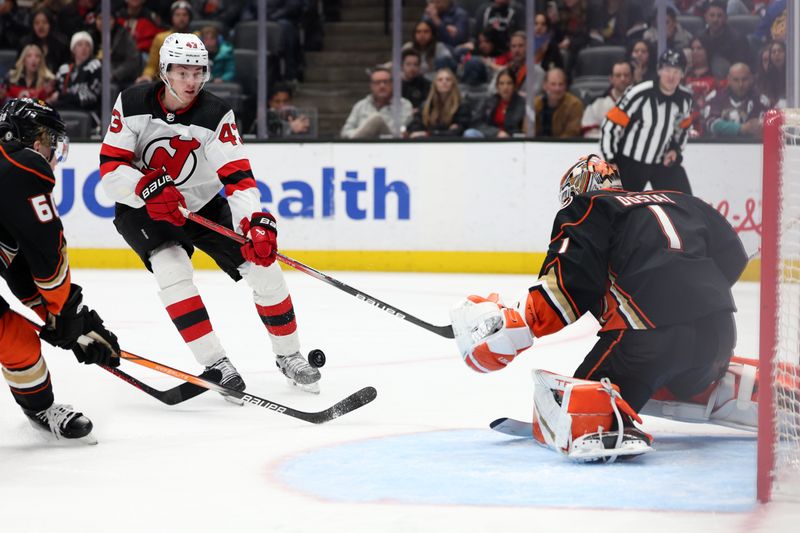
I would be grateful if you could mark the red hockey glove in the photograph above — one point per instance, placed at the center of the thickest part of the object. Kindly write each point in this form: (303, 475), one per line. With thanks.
(262, 232)
(488, 334)
(161, 197)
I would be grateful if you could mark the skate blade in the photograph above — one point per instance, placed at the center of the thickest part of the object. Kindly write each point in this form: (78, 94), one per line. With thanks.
(48, 436)
(233, 399)
(312, 388)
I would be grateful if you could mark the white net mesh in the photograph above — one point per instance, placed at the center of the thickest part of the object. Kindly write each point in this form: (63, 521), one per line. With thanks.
(786, 368)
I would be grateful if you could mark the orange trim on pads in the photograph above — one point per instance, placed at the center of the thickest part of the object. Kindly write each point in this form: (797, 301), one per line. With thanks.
(19, 342)
(618, 116)
(603, 357)
(577, 222)
(23, 167)
(28, 392)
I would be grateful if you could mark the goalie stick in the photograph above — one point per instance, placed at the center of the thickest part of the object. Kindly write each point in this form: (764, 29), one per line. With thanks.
(443, 331)
(515, 428)
(351, 403)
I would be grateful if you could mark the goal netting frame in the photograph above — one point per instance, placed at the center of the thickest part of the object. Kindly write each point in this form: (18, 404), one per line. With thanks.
(779, 335)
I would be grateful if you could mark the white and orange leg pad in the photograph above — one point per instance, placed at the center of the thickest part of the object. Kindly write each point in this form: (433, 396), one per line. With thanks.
(731, 401)
(574, 416)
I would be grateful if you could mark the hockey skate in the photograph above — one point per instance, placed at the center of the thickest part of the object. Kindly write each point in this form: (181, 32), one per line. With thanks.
(63, 422)
(298, 372)
(230, 378)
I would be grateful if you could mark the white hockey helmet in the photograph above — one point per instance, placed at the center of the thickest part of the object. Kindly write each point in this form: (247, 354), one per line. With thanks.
(183, 49)
(590, 173)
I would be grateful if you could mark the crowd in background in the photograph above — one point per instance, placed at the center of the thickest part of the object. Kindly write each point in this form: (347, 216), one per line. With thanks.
(463, 67)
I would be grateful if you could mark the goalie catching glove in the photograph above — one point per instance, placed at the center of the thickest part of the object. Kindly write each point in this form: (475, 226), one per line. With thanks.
(488, 334)
(262, 233)
(76, 320)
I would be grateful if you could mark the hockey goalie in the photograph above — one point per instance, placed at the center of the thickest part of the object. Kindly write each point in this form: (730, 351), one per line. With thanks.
(655, 269)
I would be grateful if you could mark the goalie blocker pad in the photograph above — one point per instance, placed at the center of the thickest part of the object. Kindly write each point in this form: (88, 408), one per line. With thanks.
(574, 417)
(730, 402)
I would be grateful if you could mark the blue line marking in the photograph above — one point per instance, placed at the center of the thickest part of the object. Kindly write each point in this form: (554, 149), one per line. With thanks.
(481, 467)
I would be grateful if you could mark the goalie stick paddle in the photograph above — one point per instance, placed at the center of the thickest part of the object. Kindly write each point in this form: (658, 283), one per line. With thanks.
(351, 403)
(515, 428)
(444, 331)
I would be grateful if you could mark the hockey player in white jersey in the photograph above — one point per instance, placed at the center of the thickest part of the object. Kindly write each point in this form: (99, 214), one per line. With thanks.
(171, 144)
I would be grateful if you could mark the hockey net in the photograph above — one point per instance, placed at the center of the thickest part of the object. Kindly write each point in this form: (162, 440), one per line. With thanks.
(779, 395)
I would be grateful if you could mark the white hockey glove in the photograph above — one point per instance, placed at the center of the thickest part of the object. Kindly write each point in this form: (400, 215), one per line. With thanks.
(489, 335)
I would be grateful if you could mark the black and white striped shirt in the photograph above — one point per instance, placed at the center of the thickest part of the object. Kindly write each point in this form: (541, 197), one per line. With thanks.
(646, 123)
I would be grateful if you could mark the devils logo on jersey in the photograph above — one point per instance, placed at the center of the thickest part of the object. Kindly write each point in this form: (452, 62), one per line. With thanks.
(174, 154)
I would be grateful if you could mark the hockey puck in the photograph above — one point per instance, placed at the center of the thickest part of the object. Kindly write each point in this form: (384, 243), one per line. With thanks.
(316, 358)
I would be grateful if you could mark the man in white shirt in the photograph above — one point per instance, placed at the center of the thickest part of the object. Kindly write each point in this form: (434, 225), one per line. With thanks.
(372, 116)
(621, 78)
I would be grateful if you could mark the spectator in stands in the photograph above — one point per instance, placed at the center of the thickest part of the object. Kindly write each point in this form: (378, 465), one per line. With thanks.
(283, 119)
(615, 22)
(721, 40)
(180, 18)
(78, 16)
(415, 86)
(642, 61)
(480, 66)
(558, 113)
(621, 78)
(517, 65)
(772, 81)
(30, 77)
(772, 25)
(545, 44)
(502, 114)
(498, 19)
(78, 83)
(372, 117)
(126, 61)
(444, 113)
(701, 81)
(736, 110)
(220, 55)
(450, 22)
(433, 54)
(678, 38)
(226, 11)
(142, 23)
(53, 44)
(14, 24)
(570, 23)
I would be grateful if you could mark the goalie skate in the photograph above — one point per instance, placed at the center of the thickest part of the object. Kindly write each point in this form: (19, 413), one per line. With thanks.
(298, 372)
(63, 422)
(604, 446)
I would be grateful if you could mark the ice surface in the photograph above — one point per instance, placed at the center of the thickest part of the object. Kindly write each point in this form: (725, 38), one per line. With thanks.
(419, 458)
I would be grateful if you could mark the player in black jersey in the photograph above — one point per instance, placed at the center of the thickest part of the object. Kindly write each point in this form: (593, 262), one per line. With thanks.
(33, 261)
(655, 269)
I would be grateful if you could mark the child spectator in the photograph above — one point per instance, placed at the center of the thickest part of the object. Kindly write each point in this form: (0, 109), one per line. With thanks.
(78, 83)
(501, 115)
(30, 77)
(444, 113)
(220, 55)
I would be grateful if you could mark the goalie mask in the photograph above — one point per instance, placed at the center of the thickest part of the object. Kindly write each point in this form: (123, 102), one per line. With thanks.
(183, 49)
(590, 173)
(26, 120)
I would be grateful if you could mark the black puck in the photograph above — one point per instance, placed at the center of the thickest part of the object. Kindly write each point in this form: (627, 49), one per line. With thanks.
(316, 358)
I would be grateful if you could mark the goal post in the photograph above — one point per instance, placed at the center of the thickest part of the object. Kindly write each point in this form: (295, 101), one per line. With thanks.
(779, 329)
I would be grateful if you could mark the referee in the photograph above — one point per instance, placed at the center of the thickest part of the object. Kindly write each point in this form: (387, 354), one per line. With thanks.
(646, 132)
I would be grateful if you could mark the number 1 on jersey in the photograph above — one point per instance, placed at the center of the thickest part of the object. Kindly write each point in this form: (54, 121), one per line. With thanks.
(667, 227)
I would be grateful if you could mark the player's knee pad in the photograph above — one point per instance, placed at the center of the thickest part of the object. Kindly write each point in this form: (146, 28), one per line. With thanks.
(575, 418)
(19, 343)
(732, 401)
(171, 265)
(268, 284)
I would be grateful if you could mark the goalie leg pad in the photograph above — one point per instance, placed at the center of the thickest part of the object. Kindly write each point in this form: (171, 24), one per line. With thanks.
(732, 401)
(575, 418)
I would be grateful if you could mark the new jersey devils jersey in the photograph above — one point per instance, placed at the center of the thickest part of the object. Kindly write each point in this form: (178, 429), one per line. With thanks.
(636, 260)
(33, 255)
(198, 146)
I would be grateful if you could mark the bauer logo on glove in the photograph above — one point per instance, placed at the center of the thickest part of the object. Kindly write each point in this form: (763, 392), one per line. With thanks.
(489, 335)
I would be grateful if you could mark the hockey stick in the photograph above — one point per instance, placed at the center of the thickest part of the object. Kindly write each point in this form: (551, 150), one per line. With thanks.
(351, 403)
(173, 396)
(444, 331)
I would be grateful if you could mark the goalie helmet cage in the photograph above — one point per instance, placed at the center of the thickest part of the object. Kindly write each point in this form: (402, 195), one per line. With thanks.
(779, 335)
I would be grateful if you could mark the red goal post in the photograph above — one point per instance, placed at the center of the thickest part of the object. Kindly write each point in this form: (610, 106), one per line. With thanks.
(779, 332)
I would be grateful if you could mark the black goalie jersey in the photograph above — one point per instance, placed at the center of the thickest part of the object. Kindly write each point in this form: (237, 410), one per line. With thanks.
(636, 260)
(33, 257)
